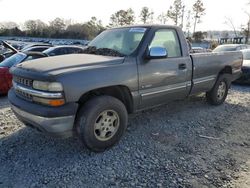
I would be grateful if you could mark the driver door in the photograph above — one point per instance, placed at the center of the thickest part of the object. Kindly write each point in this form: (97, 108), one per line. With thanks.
(167, 78)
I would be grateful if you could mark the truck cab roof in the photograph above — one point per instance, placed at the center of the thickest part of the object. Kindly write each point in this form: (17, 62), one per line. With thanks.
(156, 26)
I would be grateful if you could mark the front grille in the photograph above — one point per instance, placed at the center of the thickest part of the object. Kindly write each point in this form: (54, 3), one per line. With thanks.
(23, 95)
(23, 81)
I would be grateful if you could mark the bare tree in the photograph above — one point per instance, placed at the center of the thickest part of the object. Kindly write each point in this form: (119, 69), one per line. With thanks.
(30, 25)
(8, 25)
(175, 11)
(163, 18)
(57, 24)
(199, 11)
(40, 25)
(35, 27)
(230, 23)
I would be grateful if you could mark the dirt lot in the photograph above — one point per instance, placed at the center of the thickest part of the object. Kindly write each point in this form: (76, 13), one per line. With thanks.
(183, 144)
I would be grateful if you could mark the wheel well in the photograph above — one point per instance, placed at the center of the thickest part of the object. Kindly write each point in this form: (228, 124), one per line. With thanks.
(120, 92)
(226, 70)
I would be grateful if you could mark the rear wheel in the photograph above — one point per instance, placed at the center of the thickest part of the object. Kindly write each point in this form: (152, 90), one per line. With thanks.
(101, 122)
(220, 90)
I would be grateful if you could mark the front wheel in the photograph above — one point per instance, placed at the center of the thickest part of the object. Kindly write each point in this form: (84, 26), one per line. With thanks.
(220, 90)
(101, 122)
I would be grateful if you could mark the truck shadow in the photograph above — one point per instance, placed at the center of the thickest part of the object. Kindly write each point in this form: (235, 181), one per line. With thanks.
(170, 129)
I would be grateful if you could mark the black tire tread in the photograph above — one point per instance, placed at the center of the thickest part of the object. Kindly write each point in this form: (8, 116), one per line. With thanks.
(86, 114)
(211, 95)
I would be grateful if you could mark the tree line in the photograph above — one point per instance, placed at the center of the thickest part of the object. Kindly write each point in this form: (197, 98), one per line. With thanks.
(60, 28)
(57, 28)
(177, 13)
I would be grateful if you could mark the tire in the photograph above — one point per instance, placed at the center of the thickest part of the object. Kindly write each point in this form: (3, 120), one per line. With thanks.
(218, 94)
(101, 122)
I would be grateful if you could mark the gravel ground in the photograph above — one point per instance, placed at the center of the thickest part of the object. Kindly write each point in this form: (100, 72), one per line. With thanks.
(184, 144)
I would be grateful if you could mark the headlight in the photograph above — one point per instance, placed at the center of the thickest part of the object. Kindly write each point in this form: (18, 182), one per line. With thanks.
(47, 86)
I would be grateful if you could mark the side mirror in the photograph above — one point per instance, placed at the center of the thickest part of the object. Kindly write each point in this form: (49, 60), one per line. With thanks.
(158, 53)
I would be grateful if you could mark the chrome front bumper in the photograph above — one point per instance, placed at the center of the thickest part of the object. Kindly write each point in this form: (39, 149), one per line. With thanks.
(56, 126)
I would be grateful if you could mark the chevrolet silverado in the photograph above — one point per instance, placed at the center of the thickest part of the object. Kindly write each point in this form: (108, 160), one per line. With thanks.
(122, 71)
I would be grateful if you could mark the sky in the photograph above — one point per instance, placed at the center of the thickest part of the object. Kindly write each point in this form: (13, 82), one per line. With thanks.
(81, 10)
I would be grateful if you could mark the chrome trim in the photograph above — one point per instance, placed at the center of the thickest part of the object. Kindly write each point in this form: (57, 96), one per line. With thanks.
(23, 81)
(204, 79)
(158, 52)
(164, 90)
(36, 92)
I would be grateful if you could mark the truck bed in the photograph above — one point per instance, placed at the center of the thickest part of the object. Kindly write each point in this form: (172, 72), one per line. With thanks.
(207, 66)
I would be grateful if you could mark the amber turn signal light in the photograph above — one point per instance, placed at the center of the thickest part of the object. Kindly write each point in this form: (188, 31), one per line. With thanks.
(56, 102)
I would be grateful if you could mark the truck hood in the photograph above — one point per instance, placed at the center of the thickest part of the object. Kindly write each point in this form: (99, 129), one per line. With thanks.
(69, 63)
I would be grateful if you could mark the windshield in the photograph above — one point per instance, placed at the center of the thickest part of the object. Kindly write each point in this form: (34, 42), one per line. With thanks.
(225, 49)
(246, 55)
(124, 40)
(13, 60)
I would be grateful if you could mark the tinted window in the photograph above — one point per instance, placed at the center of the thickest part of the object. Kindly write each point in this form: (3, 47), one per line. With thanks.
(13, 60)
(71, 50)
(167, 38)
(55, 51)
(74, 50)
(63, 51)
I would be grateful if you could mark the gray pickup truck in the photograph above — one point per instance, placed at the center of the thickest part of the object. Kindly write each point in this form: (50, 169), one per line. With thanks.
(122, 71)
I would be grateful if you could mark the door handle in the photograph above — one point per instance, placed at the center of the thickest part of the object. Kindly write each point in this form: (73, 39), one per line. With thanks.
(182, 66)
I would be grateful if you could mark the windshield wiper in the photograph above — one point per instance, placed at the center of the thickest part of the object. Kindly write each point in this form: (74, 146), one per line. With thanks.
(102, 51)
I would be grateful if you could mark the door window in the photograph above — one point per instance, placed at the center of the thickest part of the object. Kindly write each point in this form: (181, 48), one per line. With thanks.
(167, 38)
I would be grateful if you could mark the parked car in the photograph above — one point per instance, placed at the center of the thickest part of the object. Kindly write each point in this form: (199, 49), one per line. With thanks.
(36, 45)
(9, 52)
(122, 71)
(199, 50)
(5, 76)
(245, 77)
(230, 47)
(62, 50)
(36, 49)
